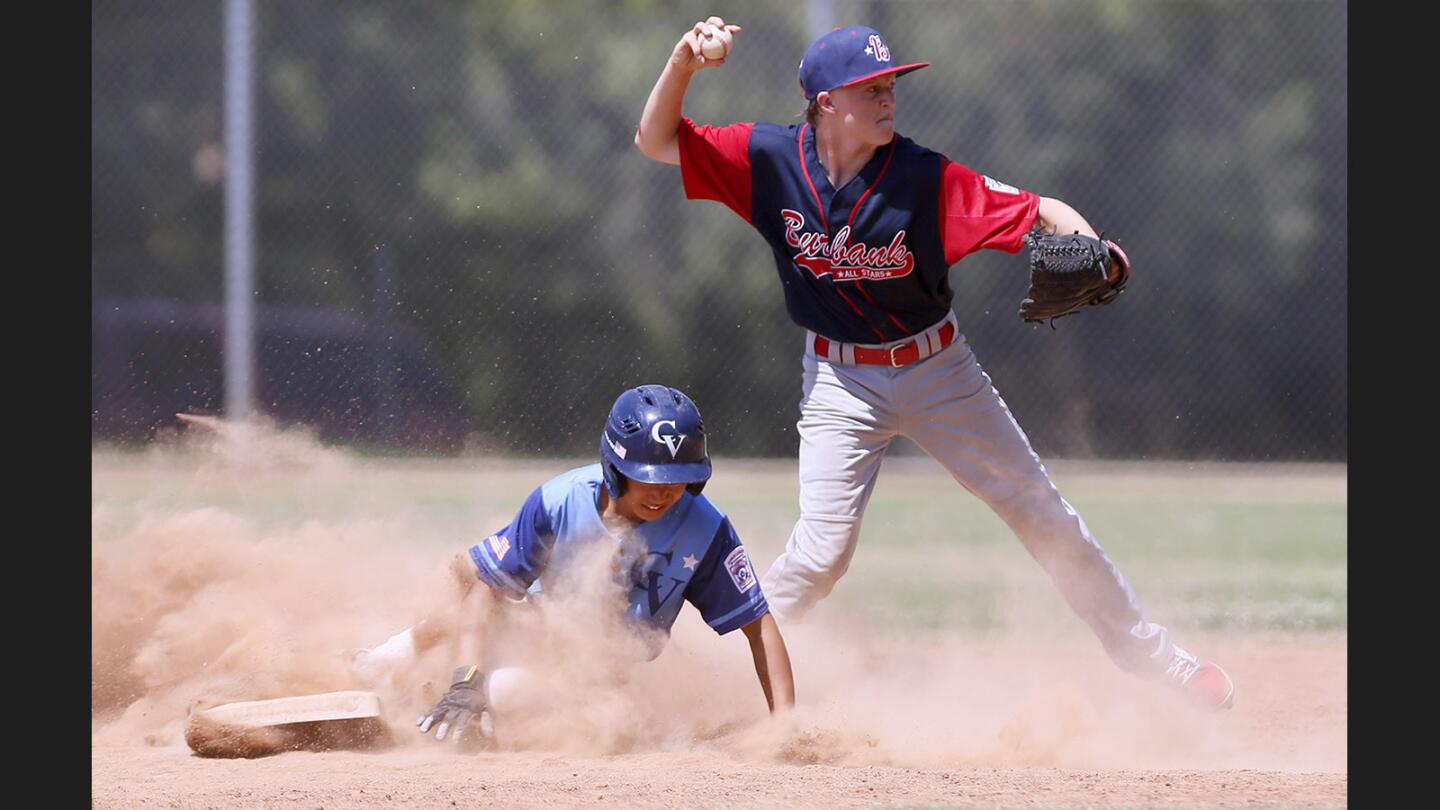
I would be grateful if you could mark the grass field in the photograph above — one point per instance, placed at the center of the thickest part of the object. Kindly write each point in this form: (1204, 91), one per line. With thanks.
(1212, 547)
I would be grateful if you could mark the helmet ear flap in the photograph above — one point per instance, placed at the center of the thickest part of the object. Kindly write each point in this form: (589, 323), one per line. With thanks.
(614, 481)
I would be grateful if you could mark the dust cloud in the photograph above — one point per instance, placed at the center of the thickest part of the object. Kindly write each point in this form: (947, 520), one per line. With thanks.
(214, 602)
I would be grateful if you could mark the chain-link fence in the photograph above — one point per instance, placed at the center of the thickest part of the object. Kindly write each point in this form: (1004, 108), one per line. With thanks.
(457, 242)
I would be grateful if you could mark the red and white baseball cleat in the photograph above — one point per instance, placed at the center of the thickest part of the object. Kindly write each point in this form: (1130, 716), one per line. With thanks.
(1203, 682)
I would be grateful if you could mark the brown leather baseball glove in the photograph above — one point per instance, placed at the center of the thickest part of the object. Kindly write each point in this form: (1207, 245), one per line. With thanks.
(1069, 272)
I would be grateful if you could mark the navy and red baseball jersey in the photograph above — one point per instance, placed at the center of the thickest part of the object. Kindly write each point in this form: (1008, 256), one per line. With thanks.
(867, 263)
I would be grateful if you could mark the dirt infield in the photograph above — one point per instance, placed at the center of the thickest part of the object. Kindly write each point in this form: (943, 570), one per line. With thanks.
(965, 724)
(347, 780)
(1053, 746)
(208, 584)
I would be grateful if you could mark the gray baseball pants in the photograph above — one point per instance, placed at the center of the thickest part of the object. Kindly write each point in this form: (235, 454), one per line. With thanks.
(946, 404)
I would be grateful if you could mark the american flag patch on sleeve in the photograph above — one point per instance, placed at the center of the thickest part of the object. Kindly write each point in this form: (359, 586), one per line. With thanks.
(499, 545)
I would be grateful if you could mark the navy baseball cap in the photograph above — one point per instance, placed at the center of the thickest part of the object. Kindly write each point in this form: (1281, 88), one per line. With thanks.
(848, 56)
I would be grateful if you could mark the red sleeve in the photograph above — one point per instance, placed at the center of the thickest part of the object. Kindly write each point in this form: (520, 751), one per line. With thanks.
(977, 212)
(715, 164)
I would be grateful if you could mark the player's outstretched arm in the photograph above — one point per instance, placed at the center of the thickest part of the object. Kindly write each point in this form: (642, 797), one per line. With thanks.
(464, 625)
(1055, 215)
(466, 699)
(657, 135)
(772, 662)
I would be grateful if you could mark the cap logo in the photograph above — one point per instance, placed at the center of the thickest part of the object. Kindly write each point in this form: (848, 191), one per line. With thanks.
(671, 441)
(877, 49)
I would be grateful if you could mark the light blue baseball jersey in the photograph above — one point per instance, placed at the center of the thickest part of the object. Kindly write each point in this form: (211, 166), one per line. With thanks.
(691, 553)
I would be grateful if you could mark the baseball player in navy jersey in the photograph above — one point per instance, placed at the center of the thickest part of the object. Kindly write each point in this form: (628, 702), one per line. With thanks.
(666, 543)
(864, 225)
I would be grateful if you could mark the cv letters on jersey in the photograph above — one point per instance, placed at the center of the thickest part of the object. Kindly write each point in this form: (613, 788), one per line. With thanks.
(655, 582)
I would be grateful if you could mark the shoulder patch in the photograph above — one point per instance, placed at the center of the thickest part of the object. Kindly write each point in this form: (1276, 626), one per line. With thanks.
(737, 563)
(996, 185)
(499, 545)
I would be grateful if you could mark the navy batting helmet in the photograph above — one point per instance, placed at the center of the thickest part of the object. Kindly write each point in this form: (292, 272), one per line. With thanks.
(654, 435)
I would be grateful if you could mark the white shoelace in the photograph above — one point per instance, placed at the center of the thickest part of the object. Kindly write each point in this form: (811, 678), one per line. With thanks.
(1182, 669)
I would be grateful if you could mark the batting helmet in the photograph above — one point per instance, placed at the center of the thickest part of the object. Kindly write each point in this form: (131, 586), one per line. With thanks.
(654, 435)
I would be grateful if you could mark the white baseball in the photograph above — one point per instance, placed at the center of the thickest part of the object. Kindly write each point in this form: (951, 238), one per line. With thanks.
(713, 47)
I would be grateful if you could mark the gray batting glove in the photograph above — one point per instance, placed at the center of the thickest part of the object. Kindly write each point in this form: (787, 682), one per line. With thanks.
(462, 704)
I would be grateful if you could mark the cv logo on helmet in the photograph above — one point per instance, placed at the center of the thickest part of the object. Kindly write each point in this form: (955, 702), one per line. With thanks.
(671, 441)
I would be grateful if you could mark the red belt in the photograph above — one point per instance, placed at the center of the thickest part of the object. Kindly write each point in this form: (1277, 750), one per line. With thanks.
(901, 354)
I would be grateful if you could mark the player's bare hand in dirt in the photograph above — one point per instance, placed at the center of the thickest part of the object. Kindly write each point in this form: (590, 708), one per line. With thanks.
(460, 706)
(689, 53)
